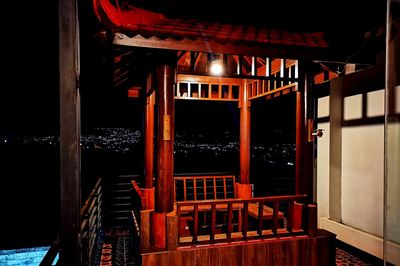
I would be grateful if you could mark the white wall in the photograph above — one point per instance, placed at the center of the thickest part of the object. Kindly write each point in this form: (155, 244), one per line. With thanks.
(363, 165)
(362, 178)
(362, 169)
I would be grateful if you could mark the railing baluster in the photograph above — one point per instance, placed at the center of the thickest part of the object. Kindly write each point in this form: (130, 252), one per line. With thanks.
(195, 188)
(245, 218)
(275, 218)
(196, 223)
(213, 221)
(289, 217)
(224, 180)
(205, 188)
(230, 217)
(227, 207)
(184, 188)
(260, 217)
(215, 187)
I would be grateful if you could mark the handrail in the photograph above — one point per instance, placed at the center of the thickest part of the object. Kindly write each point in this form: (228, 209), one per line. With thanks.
(89, 227)
(91, 222)
(90, 198)
(267, 222)
(52, 253)
(225, 201)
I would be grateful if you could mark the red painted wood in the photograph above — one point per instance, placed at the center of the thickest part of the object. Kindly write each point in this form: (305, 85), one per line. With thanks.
(300, 140)
(158, 229)
(196, 223)
(275, 225)
(230, 217)
(148, 198)
(165, 138)
(149, 138)
(244, 191)
(297, 216)
(260, 218)
(244, 136)
(310, 251)
(312, 220)
(213, 222)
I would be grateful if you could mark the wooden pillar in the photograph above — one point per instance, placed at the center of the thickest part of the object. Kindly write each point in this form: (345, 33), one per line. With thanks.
(164, 190)
(244, 188)
(304, 145)
(149, 137)
(309, 118)
(300, 139)
(165, 138)
(244, 135)
(69, 132)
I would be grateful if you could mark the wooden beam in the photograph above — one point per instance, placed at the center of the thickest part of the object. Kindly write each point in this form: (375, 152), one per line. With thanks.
(69, 132)
(279, 51)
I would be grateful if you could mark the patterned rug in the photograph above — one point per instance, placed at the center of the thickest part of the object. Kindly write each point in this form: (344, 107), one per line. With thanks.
(344, 258)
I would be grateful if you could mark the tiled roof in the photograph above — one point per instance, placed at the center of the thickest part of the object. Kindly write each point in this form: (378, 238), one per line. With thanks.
(148, 24)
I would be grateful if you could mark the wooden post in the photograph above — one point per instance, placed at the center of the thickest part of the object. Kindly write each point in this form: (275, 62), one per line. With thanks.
(300, 139)
(69, 132)
(304, 148)
(149, 137)
(244, 135)
(308, 151)
(165, 138)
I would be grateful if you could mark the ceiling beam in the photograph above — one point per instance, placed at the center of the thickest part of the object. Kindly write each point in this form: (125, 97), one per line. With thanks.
(281, 51)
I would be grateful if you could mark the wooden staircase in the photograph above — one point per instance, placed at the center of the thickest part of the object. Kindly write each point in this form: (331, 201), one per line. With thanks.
(118, 202)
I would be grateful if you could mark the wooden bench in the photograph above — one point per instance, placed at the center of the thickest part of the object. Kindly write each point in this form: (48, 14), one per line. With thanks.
(267, 212)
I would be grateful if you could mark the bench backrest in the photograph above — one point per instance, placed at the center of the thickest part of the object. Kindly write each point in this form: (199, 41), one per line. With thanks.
(204, 187)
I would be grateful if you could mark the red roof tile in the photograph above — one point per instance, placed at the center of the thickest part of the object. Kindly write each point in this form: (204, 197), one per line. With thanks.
(148, 24)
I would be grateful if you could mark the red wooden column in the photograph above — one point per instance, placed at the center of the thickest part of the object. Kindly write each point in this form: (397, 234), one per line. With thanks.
(300, 139)
(243, 189)
(165, 153)
(148, 190)
(304, 144)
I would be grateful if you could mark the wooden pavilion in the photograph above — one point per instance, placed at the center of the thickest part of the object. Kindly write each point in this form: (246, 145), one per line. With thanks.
(207, 220)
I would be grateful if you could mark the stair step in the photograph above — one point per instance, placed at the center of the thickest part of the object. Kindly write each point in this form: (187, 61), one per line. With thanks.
(120, 198)
(121, 193)
(119, 205)
(122, 213)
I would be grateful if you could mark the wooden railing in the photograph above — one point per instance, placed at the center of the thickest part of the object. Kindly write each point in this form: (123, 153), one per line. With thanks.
(91, 221)
(204, 187)
(255, 218)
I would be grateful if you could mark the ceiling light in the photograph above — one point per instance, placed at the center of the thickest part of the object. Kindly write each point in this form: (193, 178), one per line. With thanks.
(216, 67)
